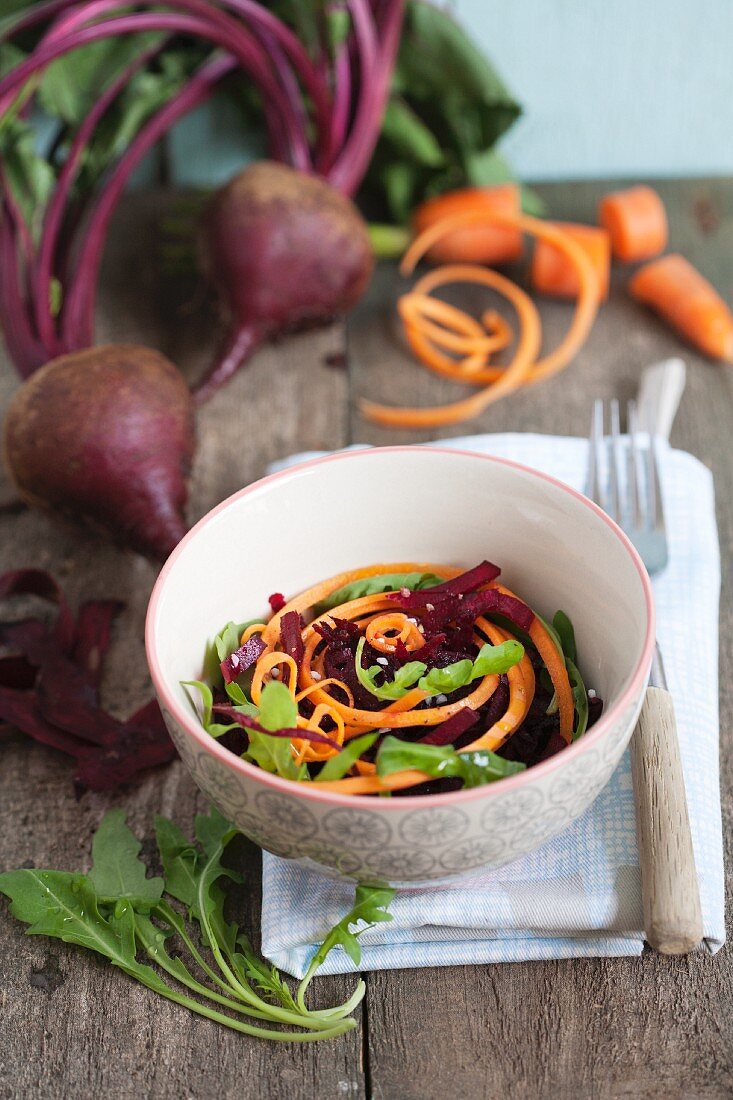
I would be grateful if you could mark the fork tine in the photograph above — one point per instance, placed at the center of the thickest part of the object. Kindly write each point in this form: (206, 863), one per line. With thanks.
(594, 449)
(613, 462)
(656, 509)
(633, 470)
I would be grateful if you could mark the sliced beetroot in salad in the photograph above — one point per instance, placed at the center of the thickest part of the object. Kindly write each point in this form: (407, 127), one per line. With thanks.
(247, 722)
(484, 573)
(242, 658)
(439, 609)
(291, 638)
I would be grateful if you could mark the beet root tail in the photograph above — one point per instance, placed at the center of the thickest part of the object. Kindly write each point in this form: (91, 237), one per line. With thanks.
(237, 349)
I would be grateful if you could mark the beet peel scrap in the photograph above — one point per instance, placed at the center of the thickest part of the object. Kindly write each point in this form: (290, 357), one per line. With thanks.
(49, 688)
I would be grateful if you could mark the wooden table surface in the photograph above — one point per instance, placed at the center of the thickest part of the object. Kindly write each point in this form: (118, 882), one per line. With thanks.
(72, 1026)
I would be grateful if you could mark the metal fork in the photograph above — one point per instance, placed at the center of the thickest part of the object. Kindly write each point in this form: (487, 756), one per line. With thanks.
(623, 478)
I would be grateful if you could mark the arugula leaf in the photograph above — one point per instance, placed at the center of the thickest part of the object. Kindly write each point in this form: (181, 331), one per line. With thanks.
(267, 978)
(179, 858)
(278, 710)
(336, 767)
(370, 907)
(372, 586)
(405, 677)
(442, 761)
(491, 660)
(566, 635)
(226, 641)
(580, 698)
(114, 911)
(117, 870)
(563, 635)
(216, 729)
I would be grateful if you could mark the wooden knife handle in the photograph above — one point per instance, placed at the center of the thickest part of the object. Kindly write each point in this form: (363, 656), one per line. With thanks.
(670, 894)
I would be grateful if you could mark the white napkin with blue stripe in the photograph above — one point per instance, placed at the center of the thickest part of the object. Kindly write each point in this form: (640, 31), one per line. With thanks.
(579, 895)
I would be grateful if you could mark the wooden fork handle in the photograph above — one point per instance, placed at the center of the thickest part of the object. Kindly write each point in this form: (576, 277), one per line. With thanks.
(670, 895)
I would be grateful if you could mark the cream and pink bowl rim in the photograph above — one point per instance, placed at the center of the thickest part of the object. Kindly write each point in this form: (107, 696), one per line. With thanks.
(407, 840)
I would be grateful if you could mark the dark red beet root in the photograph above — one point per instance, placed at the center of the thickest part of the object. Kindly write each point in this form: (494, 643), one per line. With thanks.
(106, 436)
(285, 251)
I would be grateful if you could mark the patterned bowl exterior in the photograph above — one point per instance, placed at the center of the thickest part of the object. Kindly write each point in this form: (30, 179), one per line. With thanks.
(402, 845)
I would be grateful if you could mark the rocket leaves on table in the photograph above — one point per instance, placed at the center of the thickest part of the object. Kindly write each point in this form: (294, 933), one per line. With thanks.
(119, 912)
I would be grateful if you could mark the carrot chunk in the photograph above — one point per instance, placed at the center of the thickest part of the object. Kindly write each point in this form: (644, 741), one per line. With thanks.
(637, 222)
(688, 302)
(480, 243)
(553, 273)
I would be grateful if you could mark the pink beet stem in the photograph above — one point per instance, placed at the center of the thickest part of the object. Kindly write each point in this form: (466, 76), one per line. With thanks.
(56, 207)
(238, 348)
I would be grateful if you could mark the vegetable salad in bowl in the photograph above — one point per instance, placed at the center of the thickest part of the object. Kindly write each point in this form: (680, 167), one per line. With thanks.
(394, 679)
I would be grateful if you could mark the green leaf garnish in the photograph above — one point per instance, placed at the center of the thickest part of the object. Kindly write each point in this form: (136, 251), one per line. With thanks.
(563, 635)
(277, 711)
(120, 913)
(442, 761)
(372, 586)
(492, 660)
(405, 677)
(337, 766)
(117, 870)
(369, 908)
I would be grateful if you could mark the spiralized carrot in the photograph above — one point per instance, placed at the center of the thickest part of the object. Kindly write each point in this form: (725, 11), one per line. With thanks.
(330, 703)
(255, 628)
(384, 631)
(466, 334)
(525, 366)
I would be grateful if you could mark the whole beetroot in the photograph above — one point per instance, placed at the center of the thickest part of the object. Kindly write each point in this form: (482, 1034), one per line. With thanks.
(285, 251)
(106, 436)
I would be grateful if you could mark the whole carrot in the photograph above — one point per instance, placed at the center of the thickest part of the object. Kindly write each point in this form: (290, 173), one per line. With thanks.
(688, 302)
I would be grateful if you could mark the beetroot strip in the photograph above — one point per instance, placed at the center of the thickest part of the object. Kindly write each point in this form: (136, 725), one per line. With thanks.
(252, 724)
(291, 637)
(483, 573)
(452, 728)
(242, 658)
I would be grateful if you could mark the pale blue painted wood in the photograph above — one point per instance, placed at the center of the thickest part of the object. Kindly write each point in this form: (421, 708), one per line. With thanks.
(613, 87)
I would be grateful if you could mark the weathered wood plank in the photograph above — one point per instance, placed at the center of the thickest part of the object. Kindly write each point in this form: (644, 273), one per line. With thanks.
(71, 1026)
(649, 1027)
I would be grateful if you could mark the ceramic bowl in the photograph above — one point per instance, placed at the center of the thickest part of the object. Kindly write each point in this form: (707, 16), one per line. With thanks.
(284, 533)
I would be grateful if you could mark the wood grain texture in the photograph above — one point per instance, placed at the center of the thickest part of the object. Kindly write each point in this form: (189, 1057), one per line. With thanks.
(648, 1027)
(670, 895)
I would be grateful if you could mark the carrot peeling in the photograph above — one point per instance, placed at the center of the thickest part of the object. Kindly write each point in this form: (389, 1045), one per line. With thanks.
(525, 366)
